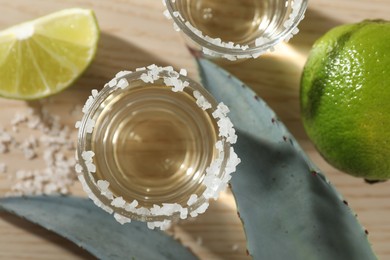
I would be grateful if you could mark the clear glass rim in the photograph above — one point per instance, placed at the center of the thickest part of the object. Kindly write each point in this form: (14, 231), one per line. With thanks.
(82, 145)
(219, 50)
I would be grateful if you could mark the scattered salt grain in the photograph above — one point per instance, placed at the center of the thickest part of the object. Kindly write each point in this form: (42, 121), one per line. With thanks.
(3, 148)
(3, 168)
(58, 174)
(235, 247)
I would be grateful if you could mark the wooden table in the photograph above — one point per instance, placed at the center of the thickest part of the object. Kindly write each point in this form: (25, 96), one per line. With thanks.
(135, 34)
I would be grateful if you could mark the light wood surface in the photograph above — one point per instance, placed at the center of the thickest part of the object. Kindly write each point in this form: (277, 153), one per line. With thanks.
(135, 34)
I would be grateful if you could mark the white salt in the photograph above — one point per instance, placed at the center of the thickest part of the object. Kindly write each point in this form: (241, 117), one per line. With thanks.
(183, 213)
(89, 125)
(121, 219)
(87, 155)
(78, 168)
(3, 168)
(94, 93)
(103, 185)
(192, 199)
(151, 225)
(118, 202)
(112, 83)
(123, 83)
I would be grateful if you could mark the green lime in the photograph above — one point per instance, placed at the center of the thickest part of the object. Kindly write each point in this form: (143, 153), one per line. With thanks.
(345, 98)
(44, 56)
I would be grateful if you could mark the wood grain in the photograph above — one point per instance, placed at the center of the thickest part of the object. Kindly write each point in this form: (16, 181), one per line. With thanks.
(134, 34)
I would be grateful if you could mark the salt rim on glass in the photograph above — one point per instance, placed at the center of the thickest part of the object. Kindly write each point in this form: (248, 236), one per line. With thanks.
(215, 47)
(217, 174)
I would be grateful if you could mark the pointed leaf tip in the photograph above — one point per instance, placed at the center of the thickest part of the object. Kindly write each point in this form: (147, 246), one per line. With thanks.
(89, 227)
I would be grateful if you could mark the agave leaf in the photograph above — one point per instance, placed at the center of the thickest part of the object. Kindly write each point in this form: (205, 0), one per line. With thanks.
(91, 228)
(288, 208)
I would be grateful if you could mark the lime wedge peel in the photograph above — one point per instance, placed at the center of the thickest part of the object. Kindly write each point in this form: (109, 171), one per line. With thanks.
(44, 56)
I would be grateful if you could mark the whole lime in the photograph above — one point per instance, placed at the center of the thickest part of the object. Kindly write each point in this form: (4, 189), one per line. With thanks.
(345, 98)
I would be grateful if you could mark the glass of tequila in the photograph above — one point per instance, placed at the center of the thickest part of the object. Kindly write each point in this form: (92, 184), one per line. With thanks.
(235, 29)
(154, 146)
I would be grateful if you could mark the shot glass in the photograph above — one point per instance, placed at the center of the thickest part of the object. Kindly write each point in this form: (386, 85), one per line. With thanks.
(235, 29)
(154, 146)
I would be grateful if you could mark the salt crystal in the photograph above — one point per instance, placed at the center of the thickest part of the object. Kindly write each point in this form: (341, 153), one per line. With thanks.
(295, 31)
(88, 104)
(202, 208)
(89, 125)
(29, 153)
(78, 168)
(145, 77)
(121, 219)
(118, 202)
(112, 83)
(19, 118)
(103, 185)
(122, 73)
(123, 83)
(3, 168)
(134, 203)
(151, 225)
(164, 225)
(167, 14)
(156, 210)
(183, 213)
(192, 199)
(94, 93)
(3, 148)
(219, 145)
(90, 167)
(87, 155)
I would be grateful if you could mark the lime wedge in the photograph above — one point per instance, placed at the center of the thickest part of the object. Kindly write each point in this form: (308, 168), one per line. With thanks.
(44, 56)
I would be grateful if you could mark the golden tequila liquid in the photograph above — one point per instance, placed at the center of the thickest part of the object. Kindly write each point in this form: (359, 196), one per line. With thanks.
(235, 29)
(238, 21)
(152, 144)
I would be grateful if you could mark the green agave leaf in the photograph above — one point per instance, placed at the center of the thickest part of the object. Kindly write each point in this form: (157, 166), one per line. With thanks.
(288, 208)
(91, 228)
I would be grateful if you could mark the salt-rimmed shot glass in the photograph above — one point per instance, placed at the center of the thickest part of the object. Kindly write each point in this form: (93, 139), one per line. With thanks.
(154, 146)
(235, 29)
